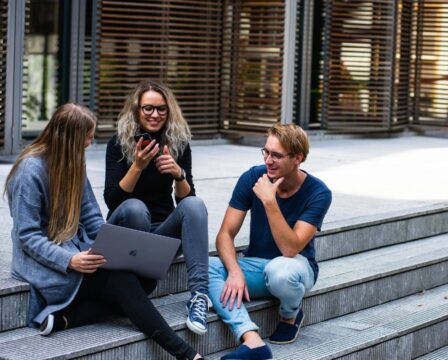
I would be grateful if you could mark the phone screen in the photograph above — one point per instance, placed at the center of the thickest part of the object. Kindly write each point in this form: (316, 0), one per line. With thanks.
(146, 139)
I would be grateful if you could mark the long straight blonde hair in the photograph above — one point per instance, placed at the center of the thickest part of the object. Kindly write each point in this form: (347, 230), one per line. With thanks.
(62, 144)
(176, 133)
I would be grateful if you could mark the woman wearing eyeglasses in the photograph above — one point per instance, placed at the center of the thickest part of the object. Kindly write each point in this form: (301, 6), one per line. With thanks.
(146, 160)
(55, 221)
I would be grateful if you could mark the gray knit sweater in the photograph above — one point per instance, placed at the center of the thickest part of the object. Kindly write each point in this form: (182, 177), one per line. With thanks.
(36, 259)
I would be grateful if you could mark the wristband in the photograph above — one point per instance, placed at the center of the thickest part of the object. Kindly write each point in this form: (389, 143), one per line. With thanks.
(182, 176)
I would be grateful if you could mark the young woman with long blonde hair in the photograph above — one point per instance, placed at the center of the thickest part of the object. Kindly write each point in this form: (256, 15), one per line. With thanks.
(55, 221)
(141, 175)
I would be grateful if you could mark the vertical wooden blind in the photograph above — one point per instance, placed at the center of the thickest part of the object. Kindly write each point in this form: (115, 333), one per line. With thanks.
(87, 85)
(366, 64)
(3, 39)
(400, 113)
(298, 65)
(26, 67)
(252, 56)
(431, 75)
(176, 42)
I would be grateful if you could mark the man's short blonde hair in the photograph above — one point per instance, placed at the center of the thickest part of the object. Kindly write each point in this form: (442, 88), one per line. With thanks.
(292, 137)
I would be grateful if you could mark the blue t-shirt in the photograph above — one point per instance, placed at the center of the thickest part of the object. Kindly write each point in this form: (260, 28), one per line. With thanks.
(310, 203)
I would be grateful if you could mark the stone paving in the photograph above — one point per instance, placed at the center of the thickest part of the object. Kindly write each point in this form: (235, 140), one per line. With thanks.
(370, 178)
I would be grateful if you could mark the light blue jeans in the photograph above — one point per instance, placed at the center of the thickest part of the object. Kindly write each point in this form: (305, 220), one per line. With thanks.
(284, 278)
(188, 222)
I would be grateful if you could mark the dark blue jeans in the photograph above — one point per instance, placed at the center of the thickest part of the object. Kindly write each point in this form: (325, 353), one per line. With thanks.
(188, 222)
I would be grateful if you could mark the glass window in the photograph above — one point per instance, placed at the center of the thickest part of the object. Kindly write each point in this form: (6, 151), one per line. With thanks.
(41, 65)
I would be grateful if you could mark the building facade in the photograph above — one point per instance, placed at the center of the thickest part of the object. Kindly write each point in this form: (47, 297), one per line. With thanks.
(236, 66)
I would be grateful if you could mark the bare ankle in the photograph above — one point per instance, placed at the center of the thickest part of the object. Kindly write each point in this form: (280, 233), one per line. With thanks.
(65, 322)
(288, 321)
(252, 339)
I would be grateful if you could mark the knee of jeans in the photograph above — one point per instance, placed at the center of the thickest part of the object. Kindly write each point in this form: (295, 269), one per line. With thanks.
(283, 271)
(134, 213)
(193, 205)
(134, 207)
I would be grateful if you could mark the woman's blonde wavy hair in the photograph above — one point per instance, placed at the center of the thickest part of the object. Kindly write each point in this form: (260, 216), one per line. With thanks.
(176, 133)
(62, 144)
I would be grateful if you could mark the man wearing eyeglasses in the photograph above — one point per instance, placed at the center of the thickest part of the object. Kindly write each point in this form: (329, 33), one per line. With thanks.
(287, 207)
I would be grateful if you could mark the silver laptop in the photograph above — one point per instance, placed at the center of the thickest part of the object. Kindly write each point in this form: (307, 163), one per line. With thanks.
(145, 254)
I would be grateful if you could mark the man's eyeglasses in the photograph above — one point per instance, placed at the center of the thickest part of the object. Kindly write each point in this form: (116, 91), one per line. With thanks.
(275, 156)
(149, 109)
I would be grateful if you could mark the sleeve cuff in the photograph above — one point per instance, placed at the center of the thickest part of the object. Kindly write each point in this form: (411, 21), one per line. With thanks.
(65, 261)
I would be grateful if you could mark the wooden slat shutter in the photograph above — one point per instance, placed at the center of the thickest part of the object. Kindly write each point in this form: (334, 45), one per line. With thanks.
(402, 77)
(177, 42)
(431, 76)
(3, 39)
(297, 66)
(366, 64)
(88, 71)
(26, 69)
(253, 39)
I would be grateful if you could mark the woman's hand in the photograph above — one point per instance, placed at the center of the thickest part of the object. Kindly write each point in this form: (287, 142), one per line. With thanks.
(86, 262)
(142, 159)
(143, 156)
(167, 165)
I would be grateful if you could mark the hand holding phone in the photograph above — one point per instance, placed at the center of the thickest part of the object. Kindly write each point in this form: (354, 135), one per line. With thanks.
(146, 139)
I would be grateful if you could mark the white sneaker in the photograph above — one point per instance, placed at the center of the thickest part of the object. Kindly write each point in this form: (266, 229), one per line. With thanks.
(47, 326)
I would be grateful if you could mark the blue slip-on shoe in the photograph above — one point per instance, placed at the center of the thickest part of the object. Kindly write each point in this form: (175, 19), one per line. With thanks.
(245, 352)
(287, 333)
(197, 309)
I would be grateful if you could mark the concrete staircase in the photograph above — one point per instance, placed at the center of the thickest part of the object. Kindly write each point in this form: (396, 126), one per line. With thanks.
(382, 294)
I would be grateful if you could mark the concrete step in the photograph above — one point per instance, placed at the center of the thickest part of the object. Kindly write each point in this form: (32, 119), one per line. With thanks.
(14, 298)
(339, 239)
(402, 329)
(439, 354)
(346, 285)
(352, 236)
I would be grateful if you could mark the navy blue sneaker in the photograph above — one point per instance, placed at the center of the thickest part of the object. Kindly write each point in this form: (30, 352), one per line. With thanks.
(287, 333)
(197, 309)
(245, 352)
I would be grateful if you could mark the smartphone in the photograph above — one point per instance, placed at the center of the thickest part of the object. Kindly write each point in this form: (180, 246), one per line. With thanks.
(146, 139)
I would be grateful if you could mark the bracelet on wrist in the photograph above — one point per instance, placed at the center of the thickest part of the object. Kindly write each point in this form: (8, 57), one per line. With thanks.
(181, 177)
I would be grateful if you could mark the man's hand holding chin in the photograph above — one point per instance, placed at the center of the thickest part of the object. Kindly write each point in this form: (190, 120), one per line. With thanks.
(266, 190)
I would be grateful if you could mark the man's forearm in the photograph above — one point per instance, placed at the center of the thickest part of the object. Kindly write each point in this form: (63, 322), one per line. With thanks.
(227, 252)
(286, 239)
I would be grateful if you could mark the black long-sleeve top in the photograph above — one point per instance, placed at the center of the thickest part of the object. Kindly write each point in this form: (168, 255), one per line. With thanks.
(153, 188)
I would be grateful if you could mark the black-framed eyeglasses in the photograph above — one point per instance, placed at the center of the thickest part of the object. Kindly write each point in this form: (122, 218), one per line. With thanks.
(275, 156)
(149, 109)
